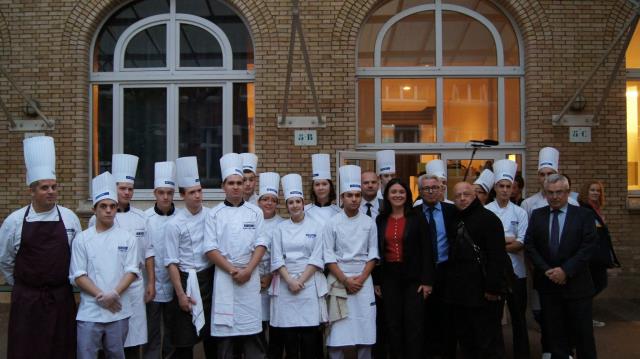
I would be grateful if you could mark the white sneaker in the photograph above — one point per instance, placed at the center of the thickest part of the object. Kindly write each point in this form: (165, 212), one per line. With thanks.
(597, 324)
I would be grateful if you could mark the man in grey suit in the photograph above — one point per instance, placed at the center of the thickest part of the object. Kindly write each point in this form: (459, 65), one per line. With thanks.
(559, 242)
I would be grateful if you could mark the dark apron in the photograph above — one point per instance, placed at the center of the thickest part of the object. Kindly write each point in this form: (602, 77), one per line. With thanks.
(42, 319)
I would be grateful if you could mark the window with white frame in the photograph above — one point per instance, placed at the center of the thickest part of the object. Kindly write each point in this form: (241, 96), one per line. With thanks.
(171, 78)
(434, 74)
(633, 125)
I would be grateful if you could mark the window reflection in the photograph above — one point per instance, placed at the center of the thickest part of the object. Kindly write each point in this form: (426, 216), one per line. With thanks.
(408, 110)
(148, 48)
(102, 128)
(198, 48)
(366, 111)
(633, 140)
(145, 130)
(633, 51)
(200, 134)
(470, 109)
(512, 110)
(243, 117)
(411, 41)
(466, 41)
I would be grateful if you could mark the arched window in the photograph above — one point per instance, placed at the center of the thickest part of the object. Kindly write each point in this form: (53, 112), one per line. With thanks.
(435, 74)
(171, 78)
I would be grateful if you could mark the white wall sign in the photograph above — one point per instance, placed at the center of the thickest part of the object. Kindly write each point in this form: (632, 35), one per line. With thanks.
(579, 134)
(305, 138)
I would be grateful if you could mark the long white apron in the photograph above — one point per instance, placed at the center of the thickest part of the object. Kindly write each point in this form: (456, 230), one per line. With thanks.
(359, 328)
(296, 310)
(138, 321)
(243, 313)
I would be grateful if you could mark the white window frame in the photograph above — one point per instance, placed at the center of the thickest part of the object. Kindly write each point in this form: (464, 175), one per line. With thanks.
(171, 77)
(439, 73)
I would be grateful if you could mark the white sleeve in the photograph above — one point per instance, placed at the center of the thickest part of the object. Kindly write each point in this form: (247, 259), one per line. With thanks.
(373, 242)
(317, 253)
(329, 239)
(131, 260)
(171, 243)
(148, 242)
(79, 260)
(523, 224)
(259, 240)
(525, 205)
(9, 243)
(211, 241)
(92, 221)
(74, 223)
(277, 253)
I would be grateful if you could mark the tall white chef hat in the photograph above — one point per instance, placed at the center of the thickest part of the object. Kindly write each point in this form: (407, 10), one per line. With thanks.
(321, 166)
(230, 164)
(485, 180)
(548, 157)
(104, 187)
(124, 167)
(386, 162)
(504, 170)
(187, 171)
(292, 186)
(39, 158)
(350, 179)
(437, 168)
(249, 162)
(164, 175)
(269, 184)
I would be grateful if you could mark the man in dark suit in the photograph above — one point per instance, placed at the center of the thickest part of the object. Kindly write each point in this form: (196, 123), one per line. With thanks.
(559, 242)
(440, 216)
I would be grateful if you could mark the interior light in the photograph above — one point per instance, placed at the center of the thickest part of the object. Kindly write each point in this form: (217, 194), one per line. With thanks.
(407, 88)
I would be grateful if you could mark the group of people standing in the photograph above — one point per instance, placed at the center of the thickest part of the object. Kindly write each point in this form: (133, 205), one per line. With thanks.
(379, 273)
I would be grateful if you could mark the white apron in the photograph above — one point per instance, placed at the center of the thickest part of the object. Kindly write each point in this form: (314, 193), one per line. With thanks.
(359, 328)
(236, 309)
(302, 309)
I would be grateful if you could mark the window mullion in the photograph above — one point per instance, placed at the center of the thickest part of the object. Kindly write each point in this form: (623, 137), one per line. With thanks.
(438, 18)
(501, 110)
(227, 118)
(377, 110)
(173, 119)
(439, 110)
(118, 123)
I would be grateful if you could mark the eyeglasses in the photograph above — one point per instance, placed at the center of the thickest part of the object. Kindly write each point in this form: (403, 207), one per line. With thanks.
(555, 193)
(430, 189)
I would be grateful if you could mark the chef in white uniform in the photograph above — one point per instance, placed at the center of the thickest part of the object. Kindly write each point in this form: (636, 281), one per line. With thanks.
(350, 253)
(35, 244)
(158, 329)
(232, 243)
(250, 174)
(104, 263)
(385, 168)
(515, 221)
(437, 168)
(323, 191)
(299, 287)
(548, 160)
(268, 202)
(190, 272)
(133, 220)
(483, 186)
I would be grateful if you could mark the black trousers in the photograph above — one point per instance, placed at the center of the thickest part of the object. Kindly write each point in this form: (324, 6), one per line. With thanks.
(478, 330)
(566, 322)
(438, 332)
(380, 348)
(404, 313)
(300, 342)
(252, 347)
(600, 278)
(517, 304)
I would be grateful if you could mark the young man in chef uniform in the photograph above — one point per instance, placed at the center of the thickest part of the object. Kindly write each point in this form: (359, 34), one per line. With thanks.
(189, 270)
(350, 254)
(233, 245)
(104, 263)
(34, 257)
(385, 168)
(250, 174)
(159, 345)
(133, 220)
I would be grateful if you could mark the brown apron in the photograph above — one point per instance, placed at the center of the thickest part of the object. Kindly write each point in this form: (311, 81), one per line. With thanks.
(42, 320)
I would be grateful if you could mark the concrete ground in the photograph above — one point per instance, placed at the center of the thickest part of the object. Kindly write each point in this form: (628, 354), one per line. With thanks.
(619, 339)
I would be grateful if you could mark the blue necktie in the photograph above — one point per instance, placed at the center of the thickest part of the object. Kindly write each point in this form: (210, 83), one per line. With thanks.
(434, 232)
(554, 238)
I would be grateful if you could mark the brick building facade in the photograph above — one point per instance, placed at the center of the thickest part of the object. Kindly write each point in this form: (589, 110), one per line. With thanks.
(46, 45)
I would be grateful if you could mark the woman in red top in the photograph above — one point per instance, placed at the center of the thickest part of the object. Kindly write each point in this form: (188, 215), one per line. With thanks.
(405, 272)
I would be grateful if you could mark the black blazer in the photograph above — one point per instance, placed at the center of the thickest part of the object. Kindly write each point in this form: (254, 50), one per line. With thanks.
(417, 249)
(603, 254)
(449, 212)
(577, 242)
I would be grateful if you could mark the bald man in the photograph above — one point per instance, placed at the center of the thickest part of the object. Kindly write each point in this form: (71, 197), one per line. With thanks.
(476, 280)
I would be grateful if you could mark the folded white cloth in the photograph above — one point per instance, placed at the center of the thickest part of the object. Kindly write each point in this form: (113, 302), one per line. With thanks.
(322, 290)
(337, 306)
(223, 297)
(193, 292)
